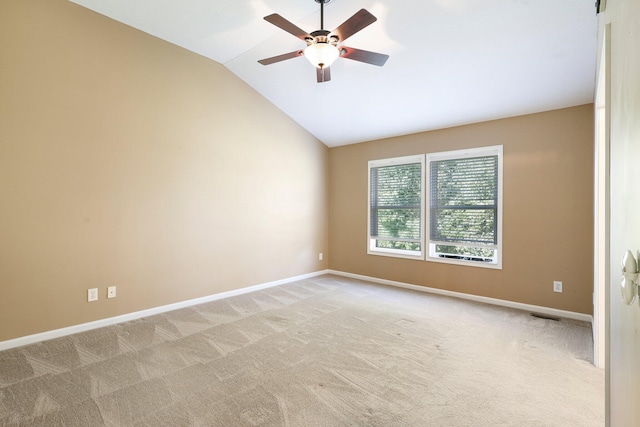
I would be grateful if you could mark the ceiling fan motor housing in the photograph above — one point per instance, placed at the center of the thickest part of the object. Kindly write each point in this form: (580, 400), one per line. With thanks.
(322, 36)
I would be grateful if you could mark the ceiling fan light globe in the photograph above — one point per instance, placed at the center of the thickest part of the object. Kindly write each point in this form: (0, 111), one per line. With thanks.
(321, 54)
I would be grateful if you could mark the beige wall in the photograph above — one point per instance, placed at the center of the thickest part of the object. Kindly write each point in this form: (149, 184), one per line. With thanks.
(128, 161)
(547, 219)
(623, 370)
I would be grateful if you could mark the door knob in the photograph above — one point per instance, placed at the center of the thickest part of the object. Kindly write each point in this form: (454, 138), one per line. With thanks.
(629, 278)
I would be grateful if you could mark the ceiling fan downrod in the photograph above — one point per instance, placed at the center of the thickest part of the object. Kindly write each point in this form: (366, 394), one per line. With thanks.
(322, 2)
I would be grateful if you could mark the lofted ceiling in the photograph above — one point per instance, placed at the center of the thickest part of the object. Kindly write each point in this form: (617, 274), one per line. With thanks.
(451, 62)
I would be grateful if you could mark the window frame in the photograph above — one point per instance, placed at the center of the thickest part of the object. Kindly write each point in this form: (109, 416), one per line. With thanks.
(430, 244)
(372, 249)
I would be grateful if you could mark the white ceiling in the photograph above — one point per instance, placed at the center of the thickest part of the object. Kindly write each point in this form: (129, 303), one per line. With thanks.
(451, 62)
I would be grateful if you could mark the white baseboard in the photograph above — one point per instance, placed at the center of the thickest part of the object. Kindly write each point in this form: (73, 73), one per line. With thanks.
(57, 333)
(494, 301)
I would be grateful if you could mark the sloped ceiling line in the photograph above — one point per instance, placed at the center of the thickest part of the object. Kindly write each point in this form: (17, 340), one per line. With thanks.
(452, 61)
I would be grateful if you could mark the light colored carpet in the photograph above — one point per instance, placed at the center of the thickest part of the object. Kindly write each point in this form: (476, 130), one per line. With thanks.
(328, 351)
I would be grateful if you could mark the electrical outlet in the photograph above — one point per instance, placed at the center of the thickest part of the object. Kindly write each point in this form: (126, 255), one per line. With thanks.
(320, 256)
(111, 292)
(557, 286)
(92, 294)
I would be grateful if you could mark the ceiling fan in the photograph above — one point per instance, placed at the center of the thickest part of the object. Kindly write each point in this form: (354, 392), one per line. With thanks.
(323, 46)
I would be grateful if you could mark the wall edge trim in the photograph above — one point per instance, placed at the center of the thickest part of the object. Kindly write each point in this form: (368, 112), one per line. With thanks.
(84, 327)
(493, 301)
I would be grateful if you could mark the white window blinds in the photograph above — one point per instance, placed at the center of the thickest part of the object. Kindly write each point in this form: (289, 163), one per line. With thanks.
(464, 200)
(396, 205)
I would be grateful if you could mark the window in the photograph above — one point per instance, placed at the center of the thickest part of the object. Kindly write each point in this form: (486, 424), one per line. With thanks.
(465, 200)
(463, 207)
(396, 208)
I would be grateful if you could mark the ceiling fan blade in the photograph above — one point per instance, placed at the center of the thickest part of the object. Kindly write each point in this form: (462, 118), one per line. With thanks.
(290, 28)
(372, 58)
(284, 56)
(360, 20)
(323, 74)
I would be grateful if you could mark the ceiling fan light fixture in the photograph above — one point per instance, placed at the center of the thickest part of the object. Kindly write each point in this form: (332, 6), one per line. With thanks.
(321, 54)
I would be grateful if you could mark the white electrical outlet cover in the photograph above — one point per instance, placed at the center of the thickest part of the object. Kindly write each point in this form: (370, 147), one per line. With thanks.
(557, 286)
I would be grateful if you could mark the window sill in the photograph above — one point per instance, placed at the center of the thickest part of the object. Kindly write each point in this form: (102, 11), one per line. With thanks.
(468, 263)
(397, 254)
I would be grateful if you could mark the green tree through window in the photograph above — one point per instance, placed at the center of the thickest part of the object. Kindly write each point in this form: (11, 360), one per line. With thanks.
(395, 206)
(464, 206)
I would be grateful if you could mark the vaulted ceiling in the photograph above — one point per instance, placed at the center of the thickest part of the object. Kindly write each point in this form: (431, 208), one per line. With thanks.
(451, 62)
